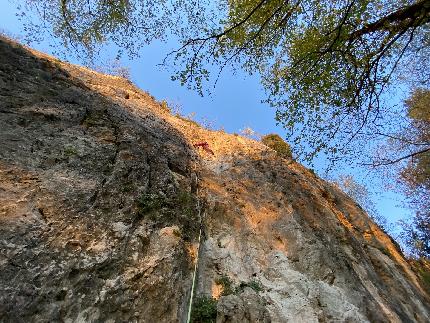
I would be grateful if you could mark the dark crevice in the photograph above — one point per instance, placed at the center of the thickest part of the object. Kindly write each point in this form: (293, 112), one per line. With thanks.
(176, 168)
(43, 215)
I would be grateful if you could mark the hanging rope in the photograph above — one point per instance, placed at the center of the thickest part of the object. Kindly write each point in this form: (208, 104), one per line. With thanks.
(190, 306)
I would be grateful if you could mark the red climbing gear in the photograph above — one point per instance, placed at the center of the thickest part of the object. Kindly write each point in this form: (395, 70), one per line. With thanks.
(205, 147)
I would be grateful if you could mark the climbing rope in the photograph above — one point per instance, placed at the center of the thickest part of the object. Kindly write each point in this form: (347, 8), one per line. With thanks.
(190, 306)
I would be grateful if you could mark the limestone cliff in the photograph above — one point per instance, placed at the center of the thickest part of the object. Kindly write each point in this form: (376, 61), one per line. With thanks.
(102, 195)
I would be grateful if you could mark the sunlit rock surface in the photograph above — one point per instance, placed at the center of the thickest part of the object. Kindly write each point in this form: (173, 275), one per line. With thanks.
(101, 196)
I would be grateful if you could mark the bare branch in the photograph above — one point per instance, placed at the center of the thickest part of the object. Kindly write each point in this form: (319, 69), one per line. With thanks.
(394, 161)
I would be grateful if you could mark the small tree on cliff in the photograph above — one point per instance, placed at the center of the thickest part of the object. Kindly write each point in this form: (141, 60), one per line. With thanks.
(275, 142)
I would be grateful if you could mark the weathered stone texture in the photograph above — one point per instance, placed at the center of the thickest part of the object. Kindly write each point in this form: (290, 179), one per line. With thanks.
(73, 166)
(100, 188)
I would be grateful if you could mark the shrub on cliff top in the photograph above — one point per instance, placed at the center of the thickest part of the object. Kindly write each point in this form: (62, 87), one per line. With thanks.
(275, 142)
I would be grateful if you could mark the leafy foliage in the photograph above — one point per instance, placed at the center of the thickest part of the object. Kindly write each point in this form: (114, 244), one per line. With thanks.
(416, 235)
(324, 64)
(254, 284)
(151, 202)
(83, 26)
(229, 288)
(422, 267)
(70, 151)
(415, 176)
(418, 105)
(227, 285)
(204, 310)
(275, 142)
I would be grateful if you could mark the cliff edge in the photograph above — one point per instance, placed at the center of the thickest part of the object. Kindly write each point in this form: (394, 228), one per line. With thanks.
(103, 197)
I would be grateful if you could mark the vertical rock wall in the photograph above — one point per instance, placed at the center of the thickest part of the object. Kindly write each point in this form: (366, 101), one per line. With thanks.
(99, 215)
(79, 239)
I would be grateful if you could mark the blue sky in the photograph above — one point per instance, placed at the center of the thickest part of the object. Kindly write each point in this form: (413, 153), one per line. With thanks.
(234, 104)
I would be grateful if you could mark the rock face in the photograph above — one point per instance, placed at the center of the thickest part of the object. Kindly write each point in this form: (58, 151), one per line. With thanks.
(101, 198)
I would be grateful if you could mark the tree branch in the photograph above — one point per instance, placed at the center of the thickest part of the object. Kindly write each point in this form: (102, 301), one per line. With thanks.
(390, 161)
(415, 15)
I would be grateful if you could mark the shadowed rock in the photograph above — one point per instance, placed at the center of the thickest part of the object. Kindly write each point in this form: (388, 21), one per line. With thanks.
(100, 193)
